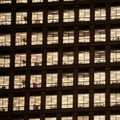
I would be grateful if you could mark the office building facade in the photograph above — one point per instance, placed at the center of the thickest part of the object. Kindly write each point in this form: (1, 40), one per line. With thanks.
(59, 60)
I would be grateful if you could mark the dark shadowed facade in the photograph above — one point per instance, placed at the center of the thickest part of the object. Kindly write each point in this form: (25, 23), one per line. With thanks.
(59, 59)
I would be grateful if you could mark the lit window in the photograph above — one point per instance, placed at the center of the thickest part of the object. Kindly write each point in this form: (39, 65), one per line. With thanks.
(19, 81)
(20, 60)
(115, 34)
(51, 80)
(3, 104)
(99, 78)
(5, 39)
(67, 101)
(35, 102)
(100, 35)
(37, 1)
(34, 119)
(4, 82)
(84, 57)
(115, 56)
(5, 1)
(53, 16)
(52, 37)
(68, 16)
(99, 117)
(51, 101)
(100, 14)
(68, 37)
(84, 14)
(83, 78)
(84, 36)
(67, 118)
(99, 99)
(36, 59)
(21, 1)
(35, 81)
(83, 118)
(115, 99)
(21, 18)
(52, 58)
(37, 17)
(37, 38)
(18, 103)
(21, 38)
(68, 58)
(115, 12)
(5, 18)
(99, 56)
(115, 117)
(53, 0)
(67, 79)
(4, 60)
(83, 100)
(50, 118)
(115, 77)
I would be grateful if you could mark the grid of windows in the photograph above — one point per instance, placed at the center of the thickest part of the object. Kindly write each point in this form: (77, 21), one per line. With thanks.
(59, 59)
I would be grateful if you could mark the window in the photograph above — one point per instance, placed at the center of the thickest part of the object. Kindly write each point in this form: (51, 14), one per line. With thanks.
(35, 102)
(36, 59)
(52, 37)
(4, 61)
(5, 39)
(67, 101)
(50, 118)
(37, 17)
(68, 16)
(68, 58)
(53, 16)
(99, 56)
(99, 117)
(68, 37)
(100, 35)
(99, 78)
(51, 79)
(3, 104)
(115, 12)
(37, 38)
(84, 36)
(4, 82)
(19, 81)
(67, 79)
(83, 100)
(21, 18)
(37, 1)
(115, 34)
(115, 56)
(99, 99)
(84, 57)
(84, 14)
(51, 101)
(18, 103)
(67, 118)
(52, 58)
(5, 18)
(83, 118)
(21, 1)
(114, 117)
(115, 99)
(20, 60)
(115, 77)
(35, 81)
(53, 0)
(21, 38)
(83, 78)
(34, 119)
(5, 1)
(100, 14)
